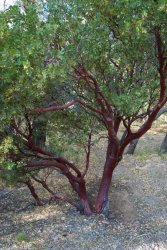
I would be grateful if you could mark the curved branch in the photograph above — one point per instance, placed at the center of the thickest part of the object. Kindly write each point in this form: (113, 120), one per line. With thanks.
(54, 108)
(82, 73)
(49, 163)
(161, 60)
(65, 106)
(55, 195)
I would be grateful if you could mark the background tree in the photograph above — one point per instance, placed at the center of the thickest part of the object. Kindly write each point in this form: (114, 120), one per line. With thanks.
(163, 148)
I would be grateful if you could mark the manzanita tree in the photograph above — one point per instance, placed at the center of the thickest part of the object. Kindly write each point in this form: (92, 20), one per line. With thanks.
(108, 59)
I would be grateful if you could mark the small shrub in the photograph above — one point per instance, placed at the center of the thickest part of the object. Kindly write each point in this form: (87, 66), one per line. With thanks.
(22, 237)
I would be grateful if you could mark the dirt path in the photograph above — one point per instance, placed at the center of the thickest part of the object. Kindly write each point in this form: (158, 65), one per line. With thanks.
(137, 218)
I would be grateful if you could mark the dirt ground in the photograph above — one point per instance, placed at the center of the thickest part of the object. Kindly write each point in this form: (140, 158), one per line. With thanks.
(138, 208)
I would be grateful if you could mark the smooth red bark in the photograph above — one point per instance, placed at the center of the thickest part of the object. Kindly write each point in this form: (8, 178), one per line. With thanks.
(33, 192)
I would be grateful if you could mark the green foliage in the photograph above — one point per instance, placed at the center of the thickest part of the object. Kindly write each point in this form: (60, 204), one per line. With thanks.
(35, 59)
(6, 145)
(99, 33)
(69, 138)
(22, 237)
(24, 39)
(11, 171)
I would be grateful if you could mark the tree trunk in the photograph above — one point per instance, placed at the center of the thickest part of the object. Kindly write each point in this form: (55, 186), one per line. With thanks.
(102, 197)
(132, 147)
(80, 189)
(84, 199)
(163, 148)
(33, 192)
